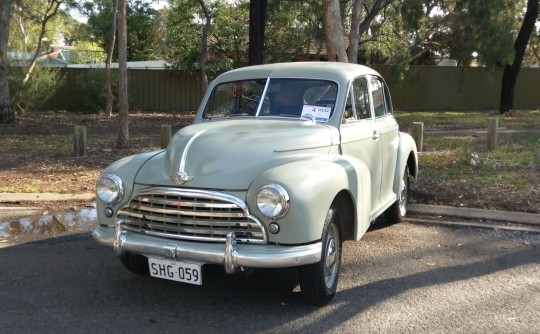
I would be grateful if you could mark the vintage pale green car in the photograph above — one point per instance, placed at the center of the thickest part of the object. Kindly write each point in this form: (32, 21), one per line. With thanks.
(282, 163)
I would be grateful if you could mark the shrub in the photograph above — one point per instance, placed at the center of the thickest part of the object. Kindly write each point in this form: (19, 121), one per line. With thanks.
(37, 90)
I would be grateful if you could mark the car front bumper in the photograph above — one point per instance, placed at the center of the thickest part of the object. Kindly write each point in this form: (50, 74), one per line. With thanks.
(230, 254)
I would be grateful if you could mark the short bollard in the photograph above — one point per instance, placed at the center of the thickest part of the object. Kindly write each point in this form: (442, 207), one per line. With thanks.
(418, 135)
(165, 133)
(79, 141)
(493, 124)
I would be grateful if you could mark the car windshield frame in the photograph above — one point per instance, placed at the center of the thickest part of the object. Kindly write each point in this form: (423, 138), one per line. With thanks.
(292, 98)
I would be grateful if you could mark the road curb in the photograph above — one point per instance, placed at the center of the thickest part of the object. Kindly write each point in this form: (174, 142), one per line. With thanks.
(44, 197)
(471, 213)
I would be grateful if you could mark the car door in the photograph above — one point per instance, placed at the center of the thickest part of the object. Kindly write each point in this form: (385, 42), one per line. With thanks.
(387, 130)
(358, 135)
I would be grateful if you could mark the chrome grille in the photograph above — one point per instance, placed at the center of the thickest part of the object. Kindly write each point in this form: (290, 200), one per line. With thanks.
(191, 215)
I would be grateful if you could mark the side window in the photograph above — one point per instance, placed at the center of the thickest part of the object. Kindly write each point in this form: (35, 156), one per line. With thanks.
(361, 98)
(349, 114)
(378, 95)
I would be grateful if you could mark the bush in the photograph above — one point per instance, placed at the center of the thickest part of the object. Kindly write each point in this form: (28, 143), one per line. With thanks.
(38, 89)
(91, 88)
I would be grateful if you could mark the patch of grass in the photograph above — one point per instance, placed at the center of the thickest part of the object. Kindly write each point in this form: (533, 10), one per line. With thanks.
(24, 188)
(442, 120)
(456, 168)
(45, 145)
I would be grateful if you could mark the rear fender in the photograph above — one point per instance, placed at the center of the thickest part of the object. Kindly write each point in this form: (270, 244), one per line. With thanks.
(407, 156)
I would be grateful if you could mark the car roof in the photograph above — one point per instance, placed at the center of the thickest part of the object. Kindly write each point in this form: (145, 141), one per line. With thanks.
(336, 71)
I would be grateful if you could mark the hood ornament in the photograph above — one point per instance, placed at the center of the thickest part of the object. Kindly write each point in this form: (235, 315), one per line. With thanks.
(181, 176)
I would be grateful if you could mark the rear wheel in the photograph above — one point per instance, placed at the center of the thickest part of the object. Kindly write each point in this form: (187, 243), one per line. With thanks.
(398, 210)
(135, 263)
(318, 281)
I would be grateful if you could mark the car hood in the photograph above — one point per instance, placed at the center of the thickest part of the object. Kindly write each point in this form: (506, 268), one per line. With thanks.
(229, 154)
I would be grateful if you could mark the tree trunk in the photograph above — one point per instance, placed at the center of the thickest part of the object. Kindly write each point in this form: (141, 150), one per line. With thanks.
(7, 115)
(52, 9)
(333, 31)
(204, 47)
(257, 24)
(511, 71)
(123, 109)
(371, 15)
(107, 82)
(354, 35)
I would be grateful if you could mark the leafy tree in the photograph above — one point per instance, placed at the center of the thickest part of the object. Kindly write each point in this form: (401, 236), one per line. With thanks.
(26, 26)
(227, 35)
(42, 11)
(146, 26)
(294, 31)
(88, 52)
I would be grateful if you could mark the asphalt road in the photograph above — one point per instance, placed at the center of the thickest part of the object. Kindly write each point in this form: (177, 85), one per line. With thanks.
(404, 278)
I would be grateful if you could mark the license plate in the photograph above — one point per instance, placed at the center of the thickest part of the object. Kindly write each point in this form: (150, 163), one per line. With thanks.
(180, 271)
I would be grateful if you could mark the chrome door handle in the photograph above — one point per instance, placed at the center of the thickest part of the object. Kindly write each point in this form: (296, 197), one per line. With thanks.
(376, 135)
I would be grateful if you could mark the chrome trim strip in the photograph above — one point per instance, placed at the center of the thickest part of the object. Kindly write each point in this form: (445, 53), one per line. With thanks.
(203, 224)
(192, 204)
(181, 176)
(186, 212)
(240, 255)
(261, 102)
(186, 150)
(192, 238)
(205, 194)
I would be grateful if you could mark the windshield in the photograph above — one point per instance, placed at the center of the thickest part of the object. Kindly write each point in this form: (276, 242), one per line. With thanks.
(294, 98)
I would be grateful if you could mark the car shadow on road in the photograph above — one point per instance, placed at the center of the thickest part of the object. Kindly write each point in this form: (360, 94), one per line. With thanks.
(82, 281)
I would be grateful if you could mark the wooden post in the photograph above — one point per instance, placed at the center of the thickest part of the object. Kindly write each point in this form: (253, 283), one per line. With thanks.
(79, 141)
(165, 133)
(418, 135)
(492, 133)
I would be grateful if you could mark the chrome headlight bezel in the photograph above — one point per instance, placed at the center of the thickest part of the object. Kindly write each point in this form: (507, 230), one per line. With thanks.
(110, 188)
(273, 201)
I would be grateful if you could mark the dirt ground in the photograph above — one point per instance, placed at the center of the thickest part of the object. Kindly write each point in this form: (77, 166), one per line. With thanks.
(36, 155)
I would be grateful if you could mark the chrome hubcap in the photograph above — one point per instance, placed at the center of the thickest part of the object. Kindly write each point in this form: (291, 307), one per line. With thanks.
(403, 195)
(331, 256)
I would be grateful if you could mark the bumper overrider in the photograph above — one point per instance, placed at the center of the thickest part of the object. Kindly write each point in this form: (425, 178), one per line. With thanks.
(231, 255)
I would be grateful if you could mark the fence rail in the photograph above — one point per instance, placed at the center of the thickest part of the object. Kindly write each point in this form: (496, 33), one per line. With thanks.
(421, 88)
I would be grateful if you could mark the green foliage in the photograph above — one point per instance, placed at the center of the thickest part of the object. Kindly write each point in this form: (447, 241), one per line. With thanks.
(145, 27)
(37, 91)
(227, 40)
(91, 88)
(294, 30)
(89, 52)
(26, 19)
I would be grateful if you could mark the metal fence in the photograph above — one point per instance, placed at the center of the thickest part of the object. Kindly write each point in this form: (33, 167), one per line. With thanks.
(420, 88)
(149, 90)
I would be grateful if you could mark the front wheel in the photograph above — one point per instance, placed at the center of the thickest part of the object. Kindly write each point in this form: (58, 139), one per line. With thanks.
(318, 281)
(395, 213)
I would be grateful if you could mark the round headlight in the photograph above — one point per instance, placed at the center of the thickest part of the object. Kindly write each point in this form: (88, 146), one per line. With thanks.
(273, 201)
(110, 188)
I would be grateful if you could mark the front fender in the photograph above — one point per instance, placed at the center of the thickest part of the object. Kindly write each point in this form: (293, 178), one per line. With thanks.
(312, 184)
(127, 169)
